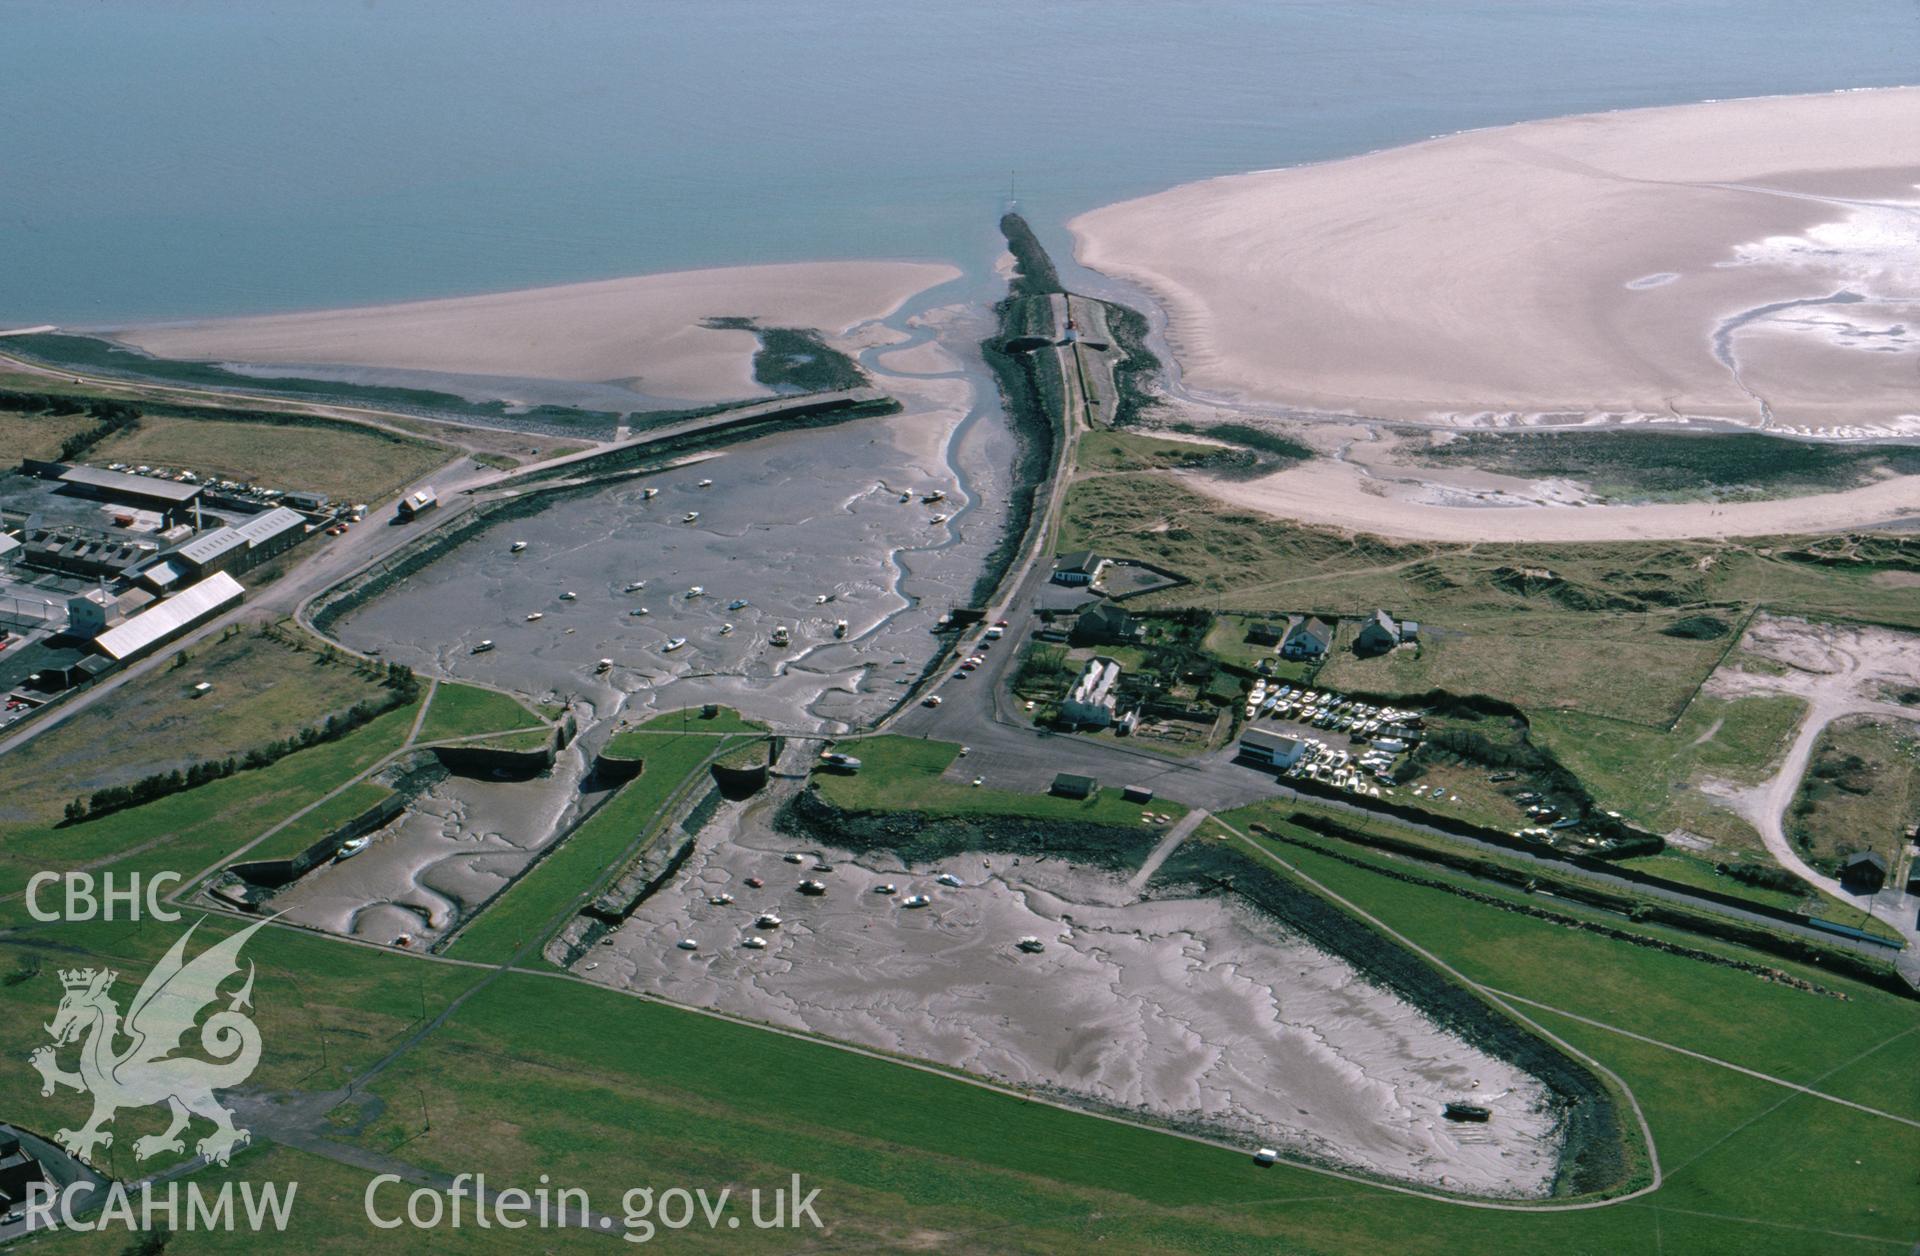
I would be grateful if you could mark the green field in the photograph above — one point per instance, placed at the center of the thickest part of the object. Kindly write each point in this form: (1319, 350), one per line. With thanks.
(351, 802)
(904, 774)
(1861, 792)
(1130, 451)
(1604, 628)
(464, 710)
(38, 435)
(263, 689)
(352, 464)
(530, 905)
(1653, 777)
(607, 1093)
(689, 719)
(191, 830)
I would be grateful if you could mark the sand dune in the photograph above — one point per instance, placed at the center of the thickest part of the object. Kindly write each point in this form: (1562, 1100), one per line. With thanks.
(645, 329)
(1753, 260)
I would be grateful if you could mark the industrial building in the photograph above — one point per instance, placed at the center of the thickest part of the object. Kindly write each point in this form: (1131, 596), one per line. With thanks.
(171, 499)
(1094, 695)
(166, 620)
(1274, 749)
(72, 550)
(237, 548)
(91, 613)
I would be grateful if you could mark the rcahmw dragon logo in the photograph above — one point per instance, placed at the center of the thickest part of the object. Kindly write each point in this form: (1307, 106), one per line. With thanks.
(147, 1071)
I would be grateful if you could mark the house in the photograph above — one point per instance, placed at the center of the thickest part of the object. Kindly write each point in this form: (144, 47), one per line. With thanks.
(1072, 785)
(1863, 872)
(1094, 694)
(1266, 632)
(1274, 749)
(1106, 625)
(1082, 567)
(1310, 638)
(19, 1173)
(1378, 635)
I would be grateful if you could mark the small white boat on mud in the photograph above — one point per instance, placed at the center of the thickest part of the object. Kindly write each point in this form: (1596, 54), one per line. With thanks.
(351, 847)
(674, 643)
(534, 617)
(782, 635)
(517, 547)
(484, 646)
(690, 516)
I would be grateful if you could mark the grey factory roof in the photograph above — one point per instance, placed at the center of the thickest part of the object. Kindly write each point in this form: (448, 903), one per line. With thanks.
(131, 485)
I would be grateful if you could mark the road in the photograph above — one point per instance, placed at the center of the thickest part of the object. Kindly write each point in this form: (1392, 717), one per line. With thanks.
(979, 711)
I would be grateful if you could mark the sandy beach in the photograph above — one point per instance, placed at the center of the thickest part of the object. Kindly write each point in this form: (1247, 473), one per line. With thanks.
(644, 331)
(1750, 260)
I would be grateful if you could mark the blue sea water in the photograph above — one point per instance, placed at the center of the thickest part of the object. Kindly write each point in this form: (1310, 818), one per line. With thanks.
(162, 160)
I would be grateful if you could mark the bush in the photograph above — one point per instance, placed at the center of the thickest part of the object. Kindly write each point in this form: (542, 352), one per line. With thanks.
(1698, 628)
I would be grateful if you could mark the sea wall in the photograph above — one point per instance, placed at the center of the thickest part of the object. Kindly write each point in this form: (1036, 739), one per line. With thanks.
(273, 873)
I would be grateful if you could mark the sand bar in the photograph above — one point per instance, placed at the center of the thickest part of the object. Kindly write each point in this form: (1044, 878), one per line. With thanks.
(644, 330)
(1679, 261)
(1340, 495)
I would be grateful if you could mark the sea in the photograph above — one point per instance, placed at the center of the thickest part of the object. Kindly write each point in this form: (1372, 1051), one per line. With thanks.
(164, 159)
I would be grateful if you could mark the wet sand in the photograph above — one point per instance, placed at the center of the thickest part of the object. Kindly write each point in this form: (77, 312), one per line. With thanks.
(456, 845)
(787, 520)
(1192, 1010)
(642, 331)
(1749, 260)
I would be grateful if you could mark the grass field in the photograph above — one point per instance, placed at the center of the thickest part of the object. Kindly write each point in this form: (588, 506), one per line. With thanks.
(608, 1093)
(1861, 792)
(322, 820)
(191, 830)
(544, 1075)
(1652, 777)
(522, 913)
(463, 710)
(904, 774)
(263, 690)
(1574, 627)
(38, 435)
(689, 719)
(1130, 451)
(349, 463)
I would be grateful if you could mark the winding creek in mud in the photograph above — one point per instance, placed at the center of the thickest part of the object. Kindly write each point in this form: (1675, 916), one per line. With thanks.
(802, 530)
(1195, 1009)
(1200, 1011)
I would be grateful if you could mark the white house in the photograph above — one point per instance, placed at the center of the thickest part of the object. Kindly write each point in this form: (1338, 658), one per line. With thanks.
(1094, 694)
(1272, 748)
